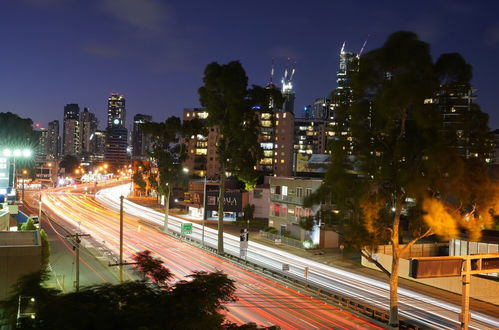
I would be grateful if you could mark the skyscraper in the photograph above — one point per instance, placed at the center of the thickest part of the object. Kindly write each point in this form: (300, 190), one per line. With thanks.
(322, 109)
(139, 141)
(88, 126)
(53, 139)
(342, 98)
(116, 110)
(115, 152)
(42, 142)
(71, 132)
(98, 146)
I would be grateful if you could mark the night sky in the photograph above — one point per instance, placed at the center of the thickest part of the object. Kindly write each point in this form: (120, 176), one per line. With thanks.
(54, 52)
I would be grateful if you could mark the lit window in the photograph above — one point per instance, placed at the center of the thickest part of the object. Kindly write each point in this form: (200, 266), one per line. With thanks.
(283, 115)
(282, 161)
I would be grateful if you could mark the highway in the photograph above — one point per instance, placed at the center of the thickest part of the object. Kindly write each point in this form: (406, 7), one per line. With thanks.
(261, 300)
(431, 312)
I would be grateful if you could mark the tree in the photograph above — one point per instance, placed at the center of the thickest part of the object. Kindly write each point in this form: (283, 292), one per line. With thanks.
(152, 180)
(193, 304)
(168, 151)
(17, 132)
(69, 163)
(139, 181)
(45, 249)
(152, 267)
(29, 224)
(229, 102)
(401, 166)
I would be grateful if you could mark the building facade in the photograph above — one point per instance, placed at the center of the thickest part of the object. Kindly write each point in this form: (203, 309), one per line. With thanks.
(116, 113)
(88, 126)
(202, 159)
(53, 139)
(71, 130)
(287, 208)
(140, 142)
(42, 142)
(98, 146)
(310, 136)
(115, 151)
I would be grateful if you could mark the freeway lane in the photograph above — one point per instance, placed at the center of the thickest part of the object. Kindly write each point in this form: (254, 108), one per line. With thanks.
(260, 300)
(62, 254)
(429, 311)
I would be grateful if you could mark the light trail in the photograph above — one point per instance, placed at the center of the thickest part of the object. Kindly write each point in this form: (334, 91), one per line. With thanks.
(430, 311)
(261, 300)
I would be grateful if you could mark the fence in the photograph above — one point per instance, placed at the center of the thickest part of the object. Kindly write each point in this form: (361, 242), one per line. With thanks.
(279, 239)
(417, 250)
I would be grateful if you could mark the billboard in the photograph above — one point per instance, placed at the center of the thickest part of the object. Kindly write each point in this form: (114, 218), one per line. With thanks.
(233, 201)
(4, 172)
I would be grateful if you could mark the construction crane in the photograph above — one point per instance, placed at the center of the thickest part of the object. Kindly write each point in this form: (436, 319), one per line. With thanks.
(289, 73)
(363, 46)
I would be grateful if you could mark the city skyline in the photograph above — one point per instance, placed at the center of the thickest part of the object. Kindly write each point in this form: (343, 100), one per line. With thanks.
(154, 53)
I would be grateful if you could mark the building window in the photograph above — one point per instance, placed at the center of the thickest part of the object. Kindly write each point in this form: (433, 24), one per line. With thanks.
(298, 211)
(285, 190)
(277, 190)
(308, 192)
(299, 192)
(308, 212)
(283, 211)
(257, 194)
(276, 209)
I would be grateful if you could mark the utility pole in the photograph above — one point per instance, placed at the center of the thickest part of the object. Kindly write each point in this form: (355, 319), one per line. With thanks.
(40, 211)
(76, 247)
(121, 263)
(121, 238)
(204, 210)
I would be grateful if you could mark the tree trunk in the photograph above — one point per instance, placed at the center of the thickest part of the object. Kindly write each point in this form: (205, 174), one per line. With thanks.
(393, 321)
(394, 281)
(167, 208)
(221, 196)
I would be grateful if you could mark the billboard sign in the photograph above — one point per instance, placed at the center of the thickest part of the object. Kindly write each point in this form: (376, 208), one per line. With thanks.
(232, 201)
(4, 172)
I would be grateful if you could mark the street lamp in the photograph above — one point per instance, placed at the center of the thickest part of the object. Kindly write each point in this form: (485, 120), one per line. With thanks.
(20, 314)
(24, 180)
(16, 153)
(204, 210)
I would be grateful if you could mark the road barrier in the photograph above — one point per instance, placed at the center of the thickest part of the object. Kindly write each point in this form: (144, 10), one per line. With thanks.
(372, 313)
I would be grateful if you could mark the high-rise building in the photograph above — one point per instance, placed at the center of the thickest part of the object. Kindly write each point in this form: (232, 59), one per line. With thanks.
(88, 126)
(115, 152)
(283, 145)
(53, 139)
(288, 93)
(456, 104)
(342, 98)
(310, 136)
(201, 150)
(42, 142)
(140, 142)
(116, 113)
(322, 109)
(98, 146)
(71, 132)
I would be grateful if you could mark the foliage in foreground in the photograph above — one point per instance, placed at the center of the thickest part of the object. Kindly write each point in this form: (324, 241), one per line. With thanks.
(157, 304)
